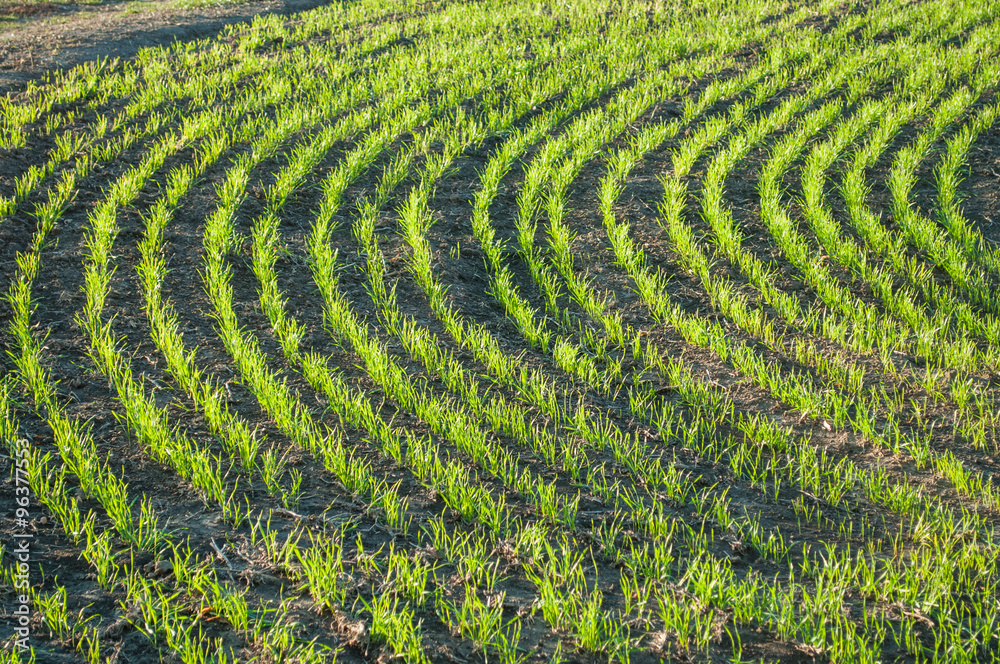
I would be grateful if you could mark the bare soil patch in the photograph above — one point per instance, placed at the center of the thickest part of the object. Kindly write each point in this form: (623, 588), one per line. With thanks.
(39, 37)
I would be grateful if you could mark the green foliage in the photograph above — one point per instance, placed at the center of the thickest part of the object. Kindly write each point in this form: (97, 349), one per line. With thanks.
(616, 462)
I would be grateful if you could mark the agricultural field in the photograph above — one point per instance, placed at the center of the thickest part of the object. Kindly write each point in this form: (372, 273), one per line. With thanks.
(509, 331)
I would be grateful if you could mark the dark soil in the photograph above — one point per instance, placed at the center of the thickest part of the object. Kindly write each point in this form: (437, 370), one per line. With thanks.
(980, 192)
